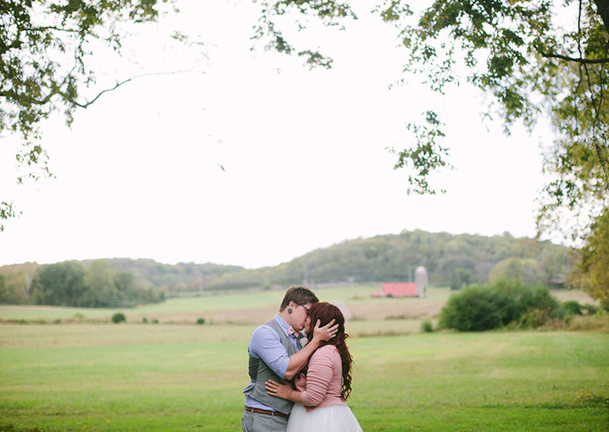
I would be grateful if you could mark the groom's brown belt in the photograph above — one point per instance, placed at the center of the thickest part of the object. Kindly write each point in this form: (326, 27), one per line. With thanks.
(267, 412)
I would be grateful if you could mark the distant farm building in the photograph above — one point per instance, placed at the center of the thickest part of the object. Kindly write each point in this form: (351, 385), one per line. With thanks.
(405, 289)
(397, 289)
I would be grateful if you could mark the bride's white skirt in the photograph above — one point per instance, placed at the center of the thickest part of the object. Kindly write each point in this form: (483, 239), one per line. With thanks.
(335, 418)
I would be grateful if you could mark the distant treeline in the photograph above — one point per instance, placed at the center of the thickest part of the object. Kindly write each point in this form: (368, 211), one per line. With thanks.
(73, 284)
(450, 260)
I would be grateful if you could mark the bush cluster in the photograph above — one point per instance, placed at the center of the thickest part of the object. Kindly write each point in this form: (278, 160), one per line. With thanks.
(572, 308)
(503, 303)
(119, 317)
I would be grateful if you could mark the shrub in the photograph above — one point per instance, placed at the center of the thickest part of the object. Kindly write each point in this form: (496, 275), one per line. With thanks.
(498, 305)
(538, 297)
(590, 309)
(118, 318)
(201, 321)
(572, 307)
(474, 309)
(426, 326)
(520, 298)
(534, 318)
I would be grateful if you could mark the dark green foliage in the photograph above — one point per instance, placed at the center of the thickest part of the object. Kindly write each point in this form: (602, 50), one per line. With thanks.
(201, 321)
(475, 309)
(590, 309)
(426, 326)
(522, 298)
(572, 307)
(69, 284)
(4, 293)
(61, 284)
(118, 317)
(481, 308)
(102, 290)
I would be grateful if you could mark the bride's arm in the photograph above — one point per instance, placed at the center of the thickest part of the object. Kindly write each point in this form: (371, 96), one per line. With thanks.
(299, 360)
(283, 391)
(318, 380)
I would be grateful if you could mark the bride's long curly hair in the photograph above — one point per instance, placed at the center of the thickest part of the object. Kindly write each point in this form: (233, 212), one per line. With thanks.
(326, 312)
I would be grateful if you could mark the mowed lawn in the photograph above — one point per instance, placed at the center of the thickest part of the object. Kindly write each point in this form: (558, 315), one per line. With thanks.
(169, 377)
(80, 372)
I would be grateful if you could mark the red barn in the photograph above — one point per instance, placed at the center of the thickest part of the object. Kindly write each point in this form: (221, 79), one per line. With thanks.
(397, 289)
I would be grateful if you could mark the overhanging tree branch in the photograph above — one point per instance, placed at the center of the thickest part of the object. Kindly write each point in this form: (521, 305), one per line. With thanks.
(573, 59)
(35, 37)
(118, 84)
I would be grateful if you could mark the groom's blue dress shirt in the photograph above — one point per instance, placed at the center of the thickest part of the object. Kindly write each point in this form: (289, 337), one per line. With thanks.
(266, 345)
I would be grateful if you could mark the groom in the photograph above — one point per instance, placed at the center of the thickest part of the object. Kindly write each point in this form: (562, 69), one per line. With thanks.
(277, 351)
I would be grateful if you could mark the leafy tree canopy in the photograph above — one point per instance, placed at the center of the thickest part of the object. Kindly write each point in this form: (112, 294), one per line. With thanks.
(534, 59)
(45, 46)
(592, 272)
(525, 270)
(70, 284)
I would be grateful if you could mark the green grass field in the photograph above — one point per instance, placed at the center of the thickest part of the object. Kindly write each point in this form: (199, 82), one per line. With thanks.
(187, 377)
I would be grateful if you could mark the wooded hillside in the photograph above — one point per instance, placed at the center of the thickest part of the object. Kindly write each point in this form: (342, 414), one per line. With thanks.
(451, 260)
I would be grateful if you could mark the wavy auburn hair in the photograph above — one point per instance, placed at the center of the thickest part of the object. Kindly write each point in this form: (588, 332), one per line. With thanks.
(326, 312)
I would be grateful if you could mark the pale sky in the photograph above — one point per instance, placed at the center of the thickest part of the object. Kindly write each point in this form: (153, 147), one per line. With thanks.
(251, 159)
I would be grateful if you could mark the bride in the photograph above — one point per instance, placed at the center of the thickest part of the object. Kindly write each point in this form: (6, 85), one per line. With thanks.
(325, 384)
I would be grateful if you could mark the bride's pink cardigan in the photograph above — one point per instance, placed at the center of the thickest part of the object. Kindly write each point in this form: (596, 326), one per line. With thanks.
(322, 385)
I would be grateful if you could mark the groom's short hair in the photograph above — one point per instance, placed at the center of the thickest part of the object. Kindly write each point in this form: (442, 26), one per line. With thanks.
(299, 294)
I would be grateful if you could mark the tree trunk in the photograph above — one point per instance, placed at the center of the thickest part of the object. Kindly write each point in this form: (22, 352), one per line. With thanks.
(603, 11)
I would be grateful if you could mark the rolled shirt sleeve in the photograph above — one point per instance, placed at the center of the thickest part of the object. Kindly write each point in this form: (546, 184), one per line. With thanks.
(266, 345)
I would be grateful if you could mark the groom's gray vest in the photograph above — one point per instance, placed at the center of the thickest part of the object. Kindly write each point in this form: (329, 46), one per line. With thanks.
(260, 373)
